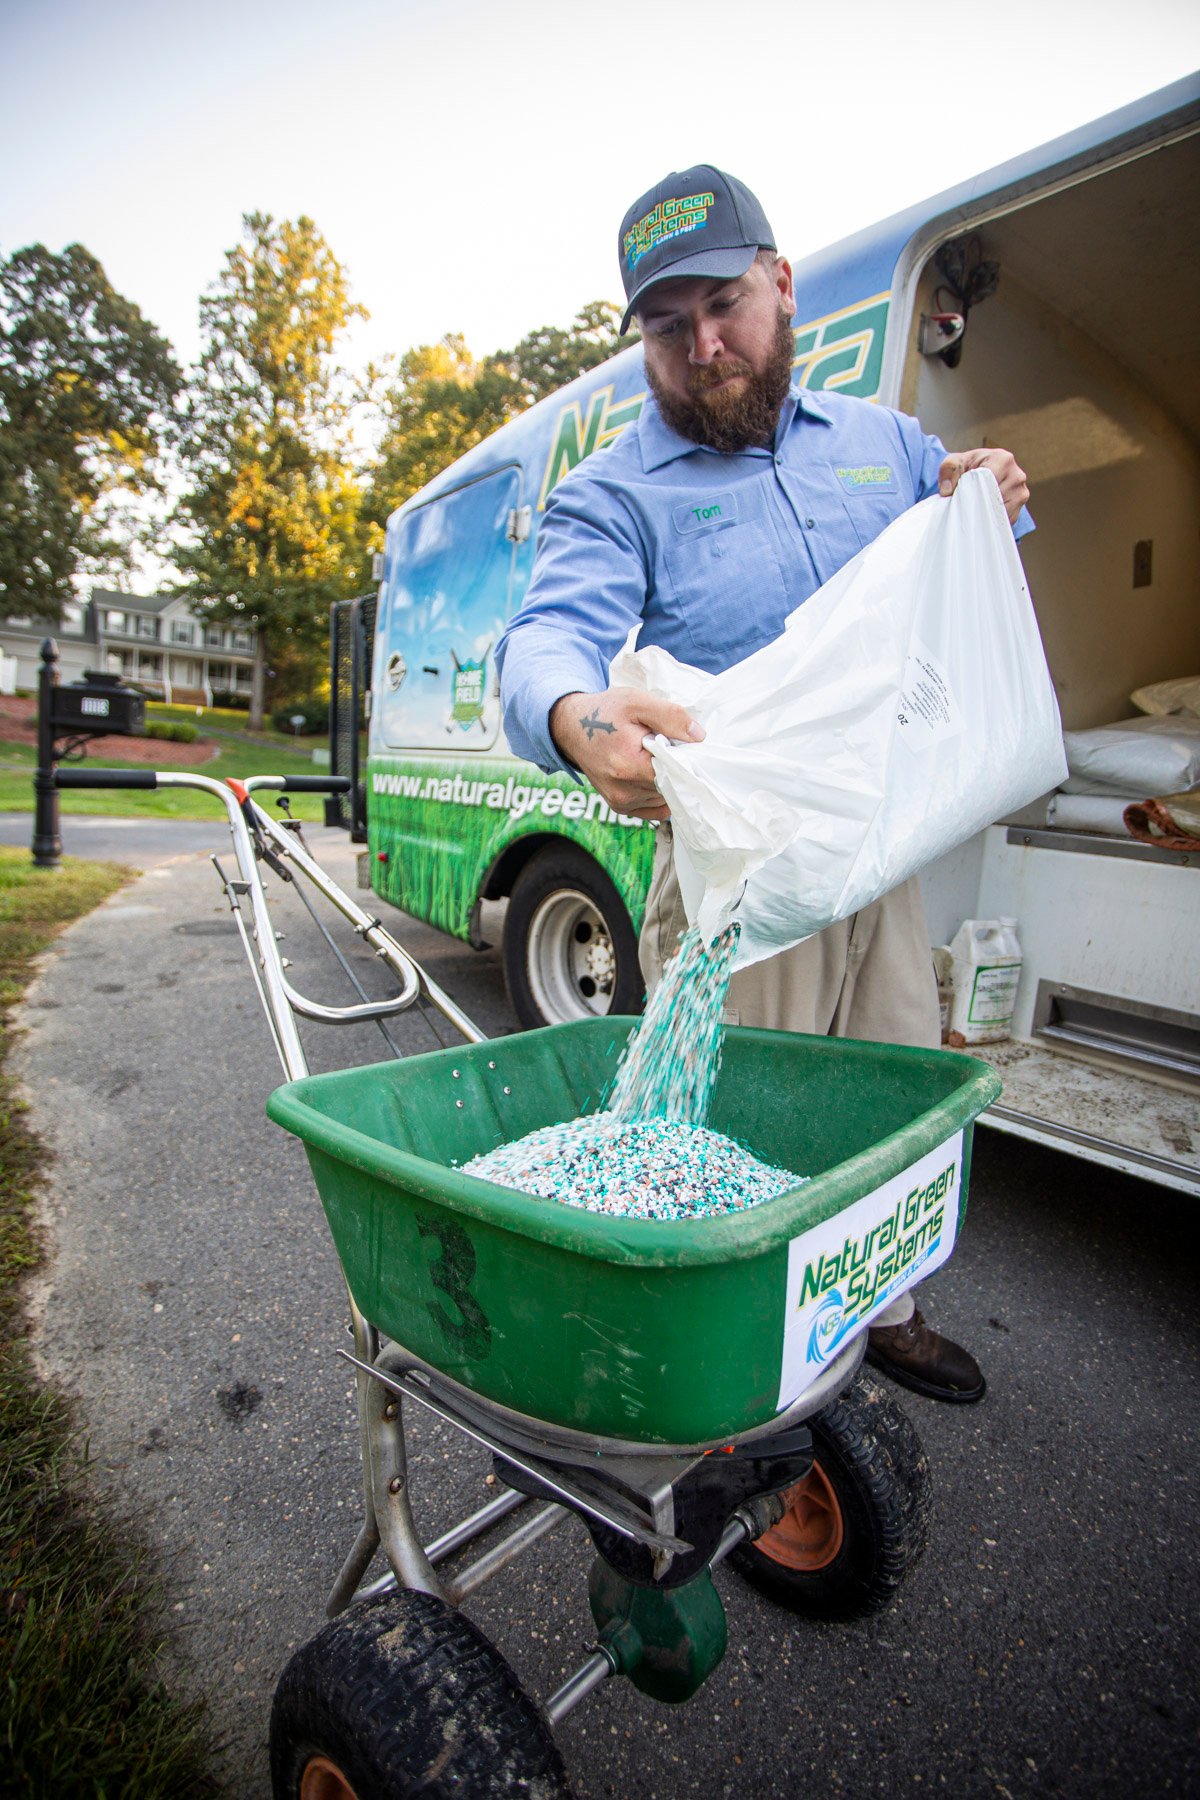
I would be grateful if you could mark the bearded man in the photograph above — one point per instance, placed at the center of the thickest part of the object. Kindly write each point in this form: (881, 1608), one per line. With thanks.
(734, 497)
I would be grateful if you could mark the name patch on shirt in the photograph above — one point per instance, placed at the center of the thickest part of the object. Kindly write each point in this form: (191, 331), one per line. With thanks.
(871, 478)
(702, 515)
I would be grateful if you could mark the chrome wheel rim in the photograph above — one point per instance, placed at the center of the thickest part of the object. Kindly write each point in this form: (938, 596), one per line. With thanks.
(570, 958)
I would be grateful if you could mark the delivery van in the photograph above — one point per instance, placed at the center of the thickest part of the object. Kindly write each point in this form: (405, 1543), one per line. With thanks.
(1049, 306)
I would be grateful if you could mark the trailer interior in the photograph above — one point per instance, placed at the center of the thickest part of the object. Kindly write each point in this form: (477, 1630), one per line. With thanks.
(1083, 362)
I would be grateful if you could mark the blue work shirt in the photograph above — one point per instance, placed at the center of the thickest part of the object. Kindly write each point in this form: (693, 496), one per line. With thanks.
(709, 551)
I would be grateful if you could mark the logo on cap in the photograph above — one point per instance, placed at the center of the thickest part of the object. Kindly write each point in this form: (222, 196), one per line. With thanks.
(670, 218)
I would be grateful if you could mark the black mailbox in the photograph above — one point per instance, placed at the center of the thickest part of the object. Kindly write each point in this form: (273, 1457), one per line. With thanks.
(97, 703)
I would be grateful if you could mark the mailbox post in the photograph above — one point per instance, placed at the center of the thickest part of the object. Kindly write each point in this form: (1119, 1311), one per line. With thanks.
(68, 718)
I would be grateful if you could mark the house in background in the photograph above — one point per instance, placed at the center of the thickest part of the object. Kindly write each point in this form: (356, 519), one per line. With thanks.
(155, 641)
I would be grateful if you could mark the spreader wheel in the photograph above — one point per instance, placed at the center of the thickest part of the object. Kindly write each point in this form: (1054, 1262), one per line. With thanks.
(402, 1696)
(857, 1523)
(569, 949)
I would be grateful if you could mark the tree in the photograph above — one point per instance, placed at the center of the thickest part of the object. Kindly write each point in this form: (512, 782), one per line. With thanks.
(546, 359)
(443, 401)
(87, 387)
(272, 505)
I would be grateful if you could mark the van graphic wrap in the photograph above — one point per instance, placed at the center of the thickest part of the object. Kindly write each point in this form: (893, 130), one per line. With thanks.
(576, 436)
(843, 351)
(467, 692)
(442, 823)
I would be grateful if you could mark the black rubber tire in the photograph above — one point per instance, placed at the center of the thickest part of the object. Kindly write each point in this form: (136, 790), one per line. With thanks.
(552, 871)
(405, 1696)
(869, 1451)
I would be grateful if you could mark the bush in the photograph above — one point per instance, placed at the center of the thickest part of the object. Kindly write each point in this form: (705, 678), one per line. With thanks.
(175, 733)
(316, 717)
(231, 699)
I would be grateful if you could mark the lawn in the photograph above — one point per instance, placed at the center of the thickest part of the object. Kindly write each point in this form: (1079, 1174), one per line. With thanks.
(83, 1710)
(241, 757)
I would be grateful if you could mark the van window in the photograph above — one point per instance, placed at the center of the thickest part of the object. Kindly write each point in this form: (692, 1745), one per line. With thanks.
(448, 592)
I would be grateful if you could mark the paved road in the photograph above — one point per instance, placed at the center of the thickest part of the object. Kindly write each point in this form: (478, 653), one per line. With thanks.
(137, 841)
(1043, 1648)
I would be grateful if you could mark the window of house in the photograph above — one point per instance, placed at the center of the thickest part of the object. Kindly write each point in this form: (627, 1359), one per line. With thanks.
(213, 636)
(149, 665)
(115, 621)
(182, 631)
(147, 628)
(241, 640)
(218, 674)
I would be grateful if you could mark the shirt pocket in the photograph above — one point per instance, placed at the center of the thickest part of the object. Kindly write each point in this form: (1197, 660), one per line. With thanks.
(729, 590)
(872, 504)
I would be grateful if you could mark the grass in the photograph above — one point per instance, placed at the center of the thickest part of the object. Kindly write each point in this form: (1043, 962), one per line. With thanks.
(83, 1710)
(245, 756)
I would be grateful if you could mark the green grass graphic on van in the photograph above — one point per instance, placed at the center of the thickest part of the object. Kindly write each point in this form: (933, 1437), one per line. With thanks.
(442, 824)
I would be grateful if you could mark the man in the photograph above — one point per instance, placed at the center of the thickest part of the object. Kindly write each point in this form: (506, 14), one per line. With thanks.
(733, 498)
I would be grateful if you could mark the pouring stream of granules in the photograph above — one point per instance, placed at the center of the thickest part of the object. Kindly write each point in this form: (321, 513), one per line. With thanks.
(649, 1155)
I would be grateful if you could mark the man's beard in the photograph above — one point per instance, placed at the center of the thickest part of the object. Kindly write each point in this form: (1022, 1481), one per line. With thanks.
(734, 419)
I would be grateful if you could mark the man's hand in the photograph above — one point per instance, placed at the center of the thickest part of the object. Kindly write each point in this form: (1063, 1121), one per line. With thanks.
(1010, 477)
(601, 734)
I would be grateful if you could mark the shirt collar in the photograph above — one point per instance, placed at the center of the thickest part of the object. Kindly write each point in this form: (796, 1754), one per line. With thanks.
(661, 444)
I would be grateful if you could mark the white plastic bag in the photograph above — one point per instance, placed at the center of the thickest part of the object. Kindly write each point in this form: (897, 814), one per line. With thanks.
(906, 705)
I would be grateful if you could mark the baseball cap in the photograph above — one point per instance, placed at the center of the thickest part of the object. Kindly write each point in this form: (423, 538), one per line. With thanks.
(694, 222)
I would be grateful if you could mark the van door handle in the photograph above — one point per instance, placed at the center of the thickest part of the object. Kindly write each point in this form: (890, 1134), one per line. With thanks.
(428, 669)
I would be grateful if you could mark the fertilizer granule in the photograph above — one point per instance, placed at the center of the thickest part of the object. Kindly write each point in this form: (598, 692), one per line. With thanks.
(640, 1169)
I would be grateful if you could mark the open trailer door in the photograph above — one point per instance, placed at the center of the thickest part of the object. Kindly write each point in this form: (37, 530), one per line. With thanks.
(1080, 356)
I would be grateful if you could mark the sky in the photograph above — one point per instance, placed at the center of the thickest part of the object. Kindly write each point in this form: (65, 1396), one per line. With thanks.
(469, 164)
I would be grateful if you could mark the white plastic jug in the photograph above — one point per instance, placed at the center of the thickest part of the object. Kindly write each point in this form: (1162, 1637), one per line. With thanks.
(985, 971)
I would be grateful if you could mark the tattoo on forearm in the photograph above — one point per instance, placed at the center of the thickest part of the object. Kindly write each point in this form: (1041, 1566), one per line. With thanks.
(595, 723)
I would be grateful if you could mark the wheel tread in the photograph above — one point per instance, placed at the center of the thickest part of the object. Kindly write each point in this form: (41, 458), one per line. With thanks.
(407, 1696)
(869, 1449)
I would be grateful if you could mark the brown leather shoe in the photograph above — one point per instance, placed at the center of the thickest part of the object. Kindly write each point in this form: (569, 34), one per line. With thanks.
(920, 1359)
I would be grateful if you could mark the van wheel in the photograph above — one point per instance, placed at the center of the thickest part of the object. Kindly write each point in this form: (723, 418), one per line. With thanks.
(857, 1523)
(569, 948)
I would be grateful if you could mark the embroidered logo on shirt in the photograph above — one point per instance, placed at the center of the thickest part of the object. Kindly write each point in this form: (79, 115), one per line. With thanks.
(702, 515)
(871, 476)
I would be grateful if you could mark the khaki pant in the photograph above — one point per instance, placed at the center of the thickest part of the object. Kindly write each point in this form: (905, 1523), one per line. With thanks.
(870, 976)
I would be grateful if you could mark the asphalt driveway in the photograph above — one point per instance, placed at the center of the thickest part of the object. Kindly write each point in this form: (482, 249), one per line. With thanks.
(1044, 1647)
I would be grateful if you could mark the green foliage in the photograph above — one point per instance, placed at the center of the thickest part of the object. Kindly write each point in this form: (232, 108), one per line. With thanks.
(272, 504)
(315, 713)
(443, 401)
(233, 699)
(87, 386)
(82, 1708)
(546, 359)
(240, 753)
(173, 732)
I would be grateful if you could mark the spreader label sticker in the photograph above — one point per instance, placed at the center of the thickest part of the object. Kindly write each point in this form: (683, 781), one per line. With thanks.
(845, 1271)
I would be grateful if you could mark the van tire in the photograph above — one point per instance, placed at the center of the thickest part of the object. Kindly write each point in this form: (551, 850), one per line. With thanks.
(569, 949)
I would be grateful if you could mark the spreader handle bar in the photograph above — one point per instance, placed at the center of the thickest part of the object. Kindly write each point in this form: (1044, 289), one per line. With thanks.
(403, 966)
(105, 778)
(281, 1000)
(300, 784)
